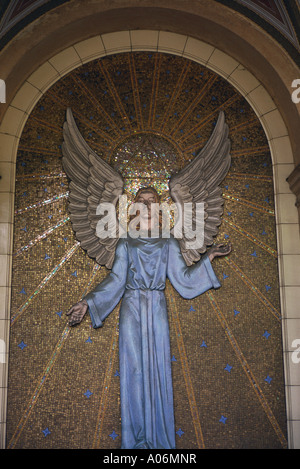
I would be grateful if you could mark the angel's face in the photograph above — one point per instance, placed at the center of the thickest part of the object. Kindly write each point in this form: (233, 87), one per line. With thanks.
(148, 198)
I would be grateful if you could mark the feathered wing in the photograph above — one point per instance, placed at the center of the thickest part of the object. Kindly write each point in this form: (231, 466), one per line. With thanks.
(92, 181)
(199, 182)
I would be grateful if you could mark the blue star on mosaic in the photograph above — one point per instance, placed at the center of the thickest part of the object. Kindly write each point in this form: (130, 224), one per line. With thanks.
(228, 368)
(46, 432)
(88, 394)
(22, 345)
(114, 435)
(179, 432)
(223, 419)
(268, 379)
(266, 334)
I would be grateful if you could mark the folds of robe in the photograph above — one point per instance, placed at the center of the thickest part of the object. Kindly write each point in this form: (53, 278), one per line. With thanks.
(138, 276)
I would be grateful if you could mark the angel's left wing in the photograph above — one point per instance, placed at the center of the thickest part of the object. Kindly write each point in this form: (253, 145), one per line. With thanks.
(92, 182)
(199, 182)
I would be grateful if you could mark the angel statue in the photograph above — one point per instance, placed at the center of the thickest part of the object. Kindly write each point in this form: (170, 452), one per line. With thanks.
(139, 266)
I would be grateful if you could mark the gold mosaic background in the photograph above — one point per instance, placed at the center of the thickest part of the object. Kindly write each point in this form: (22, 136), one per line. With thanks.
(146, 114)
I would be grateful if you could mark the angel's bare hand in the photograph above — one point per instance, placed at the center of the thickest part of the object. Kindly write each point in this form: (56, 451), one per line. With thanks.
(77, 312)
(219, 250)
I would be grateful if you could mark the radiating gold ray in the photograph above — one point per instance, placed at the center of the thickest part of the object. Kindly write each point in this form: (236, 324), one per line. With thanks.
(249, 204)
(115, 95)
(232, 131)
(254, 177)
(252, 238)
(253, 381)
(208, 118)
(155, 90)
(96, 104)
(64, 105)
(46, 124)
(177, 90)
(246, 280)
(52, 200)
(34, 177)
(135, 90)
(106, 384)
(45, 374)
(41, 381)
(250, 151)
(45, 280)
(185, 369)
(40, 237)
(47, 151)
(234, 153)
(242, 126)
(192, 150)
(203, 92)
(98, 147)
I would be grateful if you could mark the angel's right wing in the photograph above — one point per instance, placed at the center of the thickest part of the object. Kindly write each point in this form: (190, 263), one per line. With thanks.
(199, 182)
(92, 182)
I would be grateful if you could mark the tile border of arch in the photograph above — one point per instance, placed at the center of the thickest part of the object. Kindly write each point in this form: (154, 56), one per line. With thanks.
(287, 221)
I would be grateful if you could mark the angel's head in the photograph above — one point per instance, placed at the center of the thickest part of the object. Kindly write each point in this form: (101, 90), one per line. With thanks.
(147, 195)
(151, 217)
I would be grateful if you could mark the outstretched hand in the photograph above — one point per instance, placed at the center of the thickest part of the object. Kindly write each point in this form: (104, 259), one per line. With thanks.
(77, 312)
(219, 250)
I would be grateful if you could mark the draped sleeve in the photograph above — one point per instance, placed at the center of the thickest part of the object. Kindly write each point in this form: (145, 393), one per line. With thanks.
(105, 297)
(189, 281)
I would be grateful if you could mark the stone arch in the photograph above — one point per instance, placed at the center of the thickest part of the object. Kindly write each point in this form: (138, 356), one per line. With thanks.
(253, 91)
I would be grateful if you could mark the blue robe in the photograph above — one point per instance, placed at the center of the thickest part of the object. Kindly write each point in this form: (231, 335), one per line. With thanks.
(138, 275)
